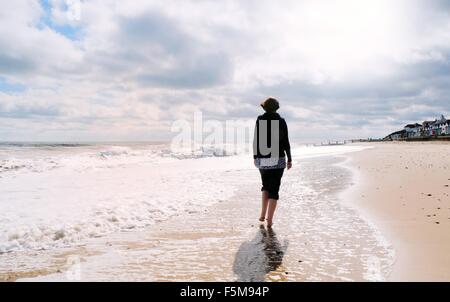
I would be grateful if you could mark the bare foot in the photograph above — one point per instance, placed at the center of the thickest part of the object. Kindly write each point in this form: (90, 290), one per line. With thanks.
(262, 219)
(269, 224)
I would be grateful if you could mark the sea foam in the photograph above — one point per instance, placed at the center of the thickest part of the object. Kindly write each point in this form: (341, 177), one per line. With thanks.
(60, 196)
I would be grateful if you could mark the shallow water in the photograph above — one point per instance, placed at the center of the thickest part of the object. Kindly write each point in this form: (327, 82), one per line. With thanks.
(54, 196)
(332, 240)
(316, 238)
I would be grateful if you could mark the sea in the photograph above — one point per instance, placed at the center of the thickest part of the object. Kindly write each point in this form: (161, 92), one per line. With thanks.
(54, 195)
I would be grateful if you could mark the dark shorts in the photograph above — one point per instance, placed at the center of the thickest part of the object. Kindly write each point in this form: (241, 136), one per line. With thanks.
(271, 180)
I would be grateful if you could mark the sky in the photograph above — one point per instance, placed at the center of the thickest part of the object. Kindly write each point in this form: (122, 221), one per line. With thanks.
(107, 70)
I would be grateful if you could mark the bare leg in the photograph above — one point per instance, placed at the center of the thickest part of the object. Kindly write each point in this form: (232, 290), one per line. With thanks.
(264, 203)
(271, 211)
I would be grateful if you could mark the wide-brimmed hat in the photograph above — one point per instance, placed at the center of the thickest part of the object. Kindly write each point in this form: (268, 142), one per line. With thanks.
(270, 105)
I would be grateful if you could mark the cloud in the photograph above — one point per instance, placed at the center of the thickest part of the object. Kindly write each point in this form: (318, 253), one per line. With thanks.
(181, 62)
(207, 71)
(30, 49)
(127, 69)
(11, 64)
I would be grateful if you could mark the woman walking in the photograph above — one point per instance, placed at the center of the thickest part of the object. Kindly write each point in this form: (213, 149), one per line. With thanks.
(270, 149)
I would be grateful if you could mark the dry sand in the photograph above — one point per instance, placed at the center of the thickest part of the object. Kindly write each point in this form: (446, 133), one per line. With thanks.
(404, 189)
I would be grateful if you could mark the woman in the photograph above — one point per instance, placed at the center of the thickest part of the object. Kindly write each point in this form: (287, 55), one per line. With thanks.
(270, 148)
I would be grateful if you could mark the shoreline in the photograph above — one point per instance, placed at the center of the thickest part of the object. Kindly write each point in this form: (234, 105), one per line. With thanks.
(404, 190)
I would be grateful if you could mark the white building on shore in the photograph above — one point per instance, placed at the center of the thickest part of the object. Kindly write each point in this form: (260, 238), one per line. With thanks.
(428, 129)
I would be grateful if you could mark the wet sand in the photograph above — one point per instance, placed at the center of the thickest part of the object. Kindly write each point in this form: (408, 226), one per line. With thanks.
(404, 190)
(310, 241)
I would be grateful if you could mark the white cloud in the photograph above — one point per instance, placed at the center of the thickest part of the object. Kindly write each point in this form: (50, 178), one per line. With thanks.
(136, 65)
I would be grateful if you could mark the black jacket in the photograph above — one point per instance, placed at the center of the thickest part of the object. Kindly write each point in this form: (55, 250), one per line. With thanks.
(283, 142)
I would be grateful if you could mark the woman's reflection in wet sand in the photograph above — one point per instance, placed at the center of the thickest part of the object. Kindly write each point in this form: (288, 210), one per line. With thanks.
(260, 256)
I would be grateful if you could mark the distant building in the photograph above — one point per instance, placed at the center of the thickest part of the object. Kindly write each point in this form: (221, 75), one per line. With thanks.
(428, 129)
(413, 130)
(398, 135)
(441, 126)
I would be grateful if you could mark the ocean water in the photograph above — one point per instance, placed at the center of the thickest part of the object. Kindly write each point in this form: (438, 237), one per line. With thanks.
(58, 195)
(55, 196)
(331, 237)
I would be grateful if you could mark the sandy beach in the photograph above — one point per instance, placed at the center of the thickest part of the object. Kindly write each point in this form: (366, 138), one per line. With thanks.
(404, 190)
